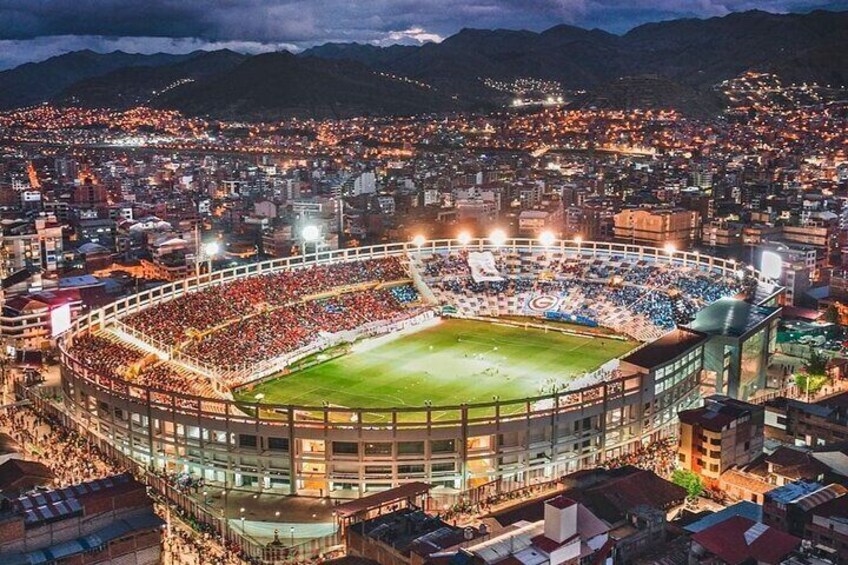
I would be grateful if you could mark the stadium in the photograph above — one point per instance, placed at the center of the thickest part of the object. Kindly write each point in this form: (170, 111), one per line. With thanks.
(455, 362)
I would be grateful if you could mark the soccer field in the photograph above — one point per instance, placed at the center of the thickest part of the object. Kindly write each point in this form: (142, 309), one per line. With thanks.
(451, 362)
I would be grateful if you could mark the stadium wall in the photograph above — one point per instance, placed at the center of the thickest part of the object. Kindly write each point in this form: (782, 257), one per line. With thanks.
(347, 452)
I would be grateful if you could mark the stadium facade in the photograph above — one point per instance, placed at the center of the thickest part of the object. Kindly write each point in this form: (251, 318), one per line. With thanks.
(337, 451)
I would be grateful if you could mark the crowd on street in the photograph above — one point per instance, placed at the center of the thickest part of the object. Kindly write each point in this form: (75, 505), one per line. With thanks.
(72, 459)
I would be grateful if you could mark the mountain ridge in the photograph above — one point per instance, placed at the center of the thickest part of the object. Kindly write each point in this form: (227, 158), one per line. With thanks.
(688, 57)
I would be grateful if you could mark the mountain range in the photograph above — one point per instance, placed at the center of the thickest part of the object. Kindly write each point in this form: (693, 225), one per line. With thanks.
(669, 64)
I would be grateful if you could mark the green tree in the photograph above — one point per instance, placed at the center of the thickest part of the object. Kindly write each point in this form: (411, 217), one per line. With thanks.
(689, 480)
(817, 363)
(831, 314)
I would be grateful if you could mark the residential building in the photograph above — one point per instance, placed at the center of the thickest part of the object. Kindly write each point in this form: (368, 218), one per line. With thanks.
(723, 434)
(657, 226)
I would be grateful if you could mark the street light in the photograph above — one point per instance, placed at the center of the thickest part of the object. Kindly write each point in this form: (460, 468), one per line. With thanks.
(419, 240)
(547, 238)
(497, 237)
(464, 238)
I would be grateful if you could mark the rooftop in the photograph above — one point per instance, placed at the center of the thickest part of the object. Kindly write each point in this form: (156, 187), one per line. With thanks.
(741, 540)
(718, 412)
(731, 317)
(793, 491)
(667, 348)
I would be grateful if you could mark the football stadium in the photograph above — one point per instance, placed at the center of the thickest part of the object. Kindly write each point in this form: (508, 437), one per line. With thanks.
(454, 362)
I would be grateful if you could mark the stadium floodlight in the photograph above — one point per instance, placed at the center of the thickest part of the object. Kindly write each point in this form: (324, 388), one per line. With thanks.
(311, 233)
(464, 238)
(419, 240)
(211, 249)
(498, 237)
(670, 248)
(547, 238)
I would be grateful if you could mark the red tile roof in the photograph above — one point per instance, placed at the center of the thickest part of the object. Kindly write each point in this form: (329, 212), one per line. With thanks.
(548, 545)
(739, 539)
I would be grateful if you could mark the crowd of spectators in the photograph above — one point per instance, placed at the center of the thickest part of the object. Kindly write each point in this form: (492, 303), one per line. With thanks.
(612, 291)
(658, 456)
(168, 322)
(70, 458)
(103, 355)
(286, 329)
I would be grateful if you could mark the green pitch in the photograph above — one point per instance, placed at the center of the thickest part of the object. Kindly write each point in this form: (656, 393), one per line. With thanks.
(450, 363)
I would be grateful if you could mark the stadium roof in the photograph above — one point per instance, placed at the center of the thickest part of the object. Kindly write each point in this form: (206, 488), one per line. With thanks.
(731, 317)
(665, 349)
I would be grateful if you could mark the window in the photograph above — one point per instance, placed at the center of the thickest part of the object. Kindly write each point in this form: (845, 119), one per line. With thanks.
(378, 448)
(246, 440)
(410, 469)
(378, 469)
(443, 446)
(278, 443)
(410, 447)
(345, 448)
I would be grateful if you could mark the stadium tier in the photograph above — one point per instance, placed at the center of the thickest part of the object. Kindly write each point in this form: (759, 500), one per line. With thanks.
(359, 369)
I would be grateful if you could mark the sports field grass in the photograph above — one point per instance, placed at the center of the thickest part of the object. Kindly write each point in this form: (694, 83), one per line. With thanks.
(449, 363)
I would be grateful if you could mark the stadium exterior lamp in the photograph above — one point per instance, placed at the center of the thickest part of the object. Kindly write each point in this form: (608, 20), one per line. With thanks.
(547, 238)
(497, 237)
(464, 238)
(210, 250)
(310, 234)
(419, 240)
(669, 249)
(578, 240)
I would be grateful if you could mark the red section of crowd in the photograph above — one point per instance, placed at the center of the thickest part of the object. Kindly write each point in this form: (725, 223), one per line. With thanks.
(269, 335)
(203, 310)
(105, 356)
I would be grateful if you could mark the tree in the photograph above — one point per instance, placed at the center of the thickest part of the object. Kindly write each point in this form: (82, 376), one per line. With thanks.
(689, 480)
(817, 363)
(831, 314)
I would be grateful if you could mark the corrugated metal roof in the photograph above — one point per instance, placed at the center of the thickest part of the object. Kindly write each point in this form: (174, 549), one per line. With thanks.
(97, 539)
(821, 496)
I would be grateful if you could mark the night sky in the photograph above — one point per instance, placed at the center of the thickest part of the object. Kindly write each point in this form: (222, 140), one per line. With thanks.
(32, 30)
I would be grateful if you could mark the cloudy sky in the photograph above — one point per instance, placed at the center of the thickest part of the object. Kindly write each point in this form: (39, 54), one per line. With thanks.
(32, 30)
